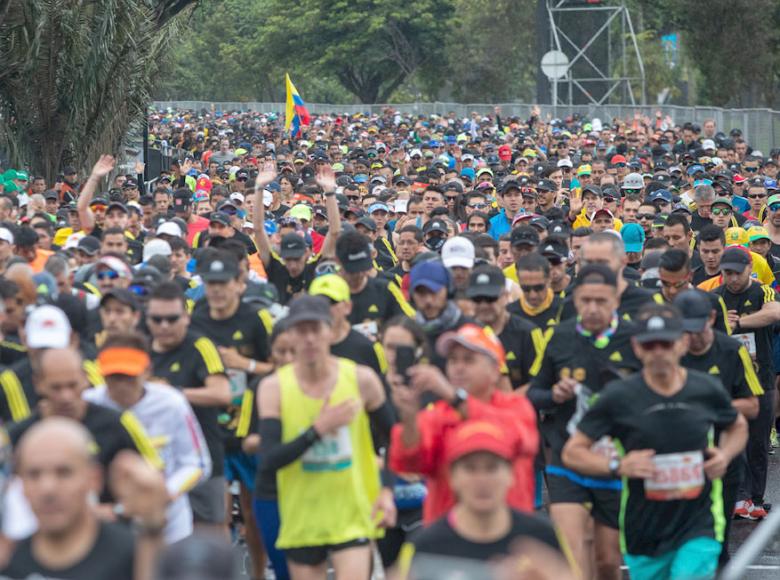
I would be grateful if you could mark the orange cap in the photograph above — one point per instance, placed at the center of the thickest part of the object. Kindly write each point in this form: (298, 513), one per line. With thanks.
(122, 361)
(480, 436)
(474, 338)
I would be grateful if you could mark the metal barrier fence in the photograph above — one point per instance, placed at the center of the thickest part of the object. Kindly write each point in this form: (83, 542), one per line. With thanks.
(760, 127)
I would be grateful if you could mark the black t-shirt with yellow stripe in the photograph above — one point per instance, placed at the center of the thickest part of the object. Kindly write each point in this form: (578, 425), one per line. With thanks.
(188, 366)
(248, 331)
(379, 301)
(524, 345)
(112, 432)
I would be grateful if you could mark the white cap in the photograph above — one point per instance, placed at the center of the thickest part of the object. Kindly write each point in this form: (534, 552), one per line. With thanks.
(169, 229)
(73, 241)
(248, 226)
(268, 198)
(236, 196)
(6, 235)
(47, 327)
(414, 152)
(458, 251)
(156, 247)
(565, 163)
(708, 144)
(633, 181)
(467, 157)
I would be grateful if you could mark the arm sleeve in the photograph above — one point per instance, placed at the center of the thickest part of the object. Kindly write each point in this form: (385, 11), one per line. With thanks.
(193, 462)
(382, 420)
(275, 453)
(597, 422)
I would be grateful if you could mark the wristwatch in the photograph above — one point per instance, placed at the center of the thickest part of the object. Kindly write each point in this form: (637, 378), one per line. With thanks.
(614, 467)
(460, 397)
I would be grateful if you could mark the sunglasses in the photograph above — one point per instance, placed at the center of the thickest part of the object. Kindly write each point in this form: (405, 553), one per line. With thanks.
(645, 216)
(478, 205)
(680, 284)
(723, 211)
(619, 165)
(107, 275)
(750, 169)
(170, 318)
(774, 207)
(138, 290)
(533, 288)
(98, 207)
(484, 299)
(756, 195)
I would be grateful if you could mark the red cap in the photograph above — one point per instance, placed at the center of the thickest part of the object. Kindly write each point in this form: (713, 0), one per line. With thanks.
(505, 152)
(617, 159)
(603, 210)
(474, 436)
(474, 338)
(739, 178)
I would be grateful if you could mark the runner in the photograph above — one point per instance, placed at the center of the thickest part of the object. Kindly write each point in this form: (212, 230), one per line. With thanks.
(581, 356)
(474, 358)
(661, 420)
(167, 418)
(481, 526)
(56, 466)
(314, 428)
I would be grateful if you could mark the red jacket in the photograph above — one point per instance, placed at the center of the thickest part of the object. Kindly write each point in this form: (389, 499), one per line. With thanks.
(512, 410)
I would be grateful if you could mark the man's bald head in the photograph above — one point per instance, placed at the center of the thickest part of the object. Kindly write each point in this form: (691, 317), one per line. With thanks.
(66, 434)
(59, 476)
(59, 379)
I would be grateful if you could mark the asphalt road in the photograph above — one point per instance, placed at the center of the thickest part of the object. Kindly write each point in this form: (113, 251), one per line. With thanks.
(768, 566)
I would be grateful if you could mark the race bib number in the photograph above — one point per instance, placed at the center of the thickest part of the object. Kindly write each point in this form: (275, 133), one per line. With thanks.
(369, 329)
(330, 453)
(748, 340)
(677, 476)
(237, 384)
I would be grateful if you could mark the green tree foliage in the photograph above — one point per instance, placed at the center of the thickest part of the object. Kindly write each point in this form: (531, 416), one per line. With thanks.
(76, 74)
(370, 46)
(492, 55)
(734, 44)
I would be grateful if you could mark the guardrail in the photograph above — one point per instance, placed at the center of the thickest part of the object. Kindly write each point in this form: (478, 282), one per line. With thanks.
(767, 532)
(760, 127)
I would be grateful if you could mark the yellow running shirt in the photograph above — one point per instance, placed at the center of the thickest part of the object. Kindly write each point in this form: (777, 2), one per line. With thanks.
(326, 495)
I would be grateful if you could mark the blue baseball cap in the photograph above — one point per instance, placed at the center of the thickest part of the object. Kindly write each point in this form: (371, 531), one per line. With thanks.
(633, 237)
(660, 195)
(378, 206)
(694, 169)
(430, 274)
(468, 172)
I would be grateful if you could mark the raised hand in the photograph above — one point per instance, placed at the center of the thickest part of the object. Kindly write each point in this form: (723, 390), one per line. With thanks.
(265, 176)
(326, 178)
(103, 167)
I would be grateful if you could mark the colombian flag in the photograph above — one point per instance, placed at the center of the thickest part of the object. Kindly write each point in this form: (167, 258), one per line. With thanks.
(296, 113)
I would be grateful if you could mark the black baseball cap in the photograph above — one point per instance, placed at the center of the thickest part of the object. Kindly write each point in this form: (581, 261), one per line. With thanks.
(524, 236)
(308, 308)
(367, 223)
(510, 184)
(90, 245)
(117, 205)
(220, 218)
(546, 185)
(735, 259)
(123, 296)
(664, 324)
(696, 308)
(486, 280)
(355, 260)
(220, 269)
(435, 226)
(554, 250)
(130, 184)
(594, 189)
(292, 246)
(50, 194)
(99, 200)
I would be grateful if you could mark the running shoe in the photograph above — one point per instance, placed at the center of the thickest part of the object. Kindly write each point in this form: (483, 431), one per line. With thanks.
(742, 509)
(758, 512)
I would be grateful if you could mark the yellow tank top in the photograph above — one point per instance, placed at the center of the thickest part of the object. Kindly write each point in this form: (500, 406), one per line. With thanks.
(326, 495)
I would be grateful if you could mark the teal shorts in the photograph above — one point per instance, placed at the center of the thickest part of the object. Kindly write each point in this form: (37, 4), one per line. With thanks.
(696, 559)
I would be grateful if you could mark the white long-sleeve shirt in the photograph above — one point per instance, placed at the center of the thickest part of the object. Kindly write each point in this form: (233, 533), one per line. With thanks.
(174, 431)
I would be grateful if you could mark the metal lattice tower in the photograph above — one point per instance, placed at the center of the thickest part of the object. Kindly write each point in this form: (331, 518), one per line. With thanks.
(599, 40)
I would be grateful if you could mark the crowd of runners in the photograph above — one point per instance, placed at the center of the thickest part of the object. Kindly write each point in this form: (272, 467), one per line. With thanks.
(432, 346)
